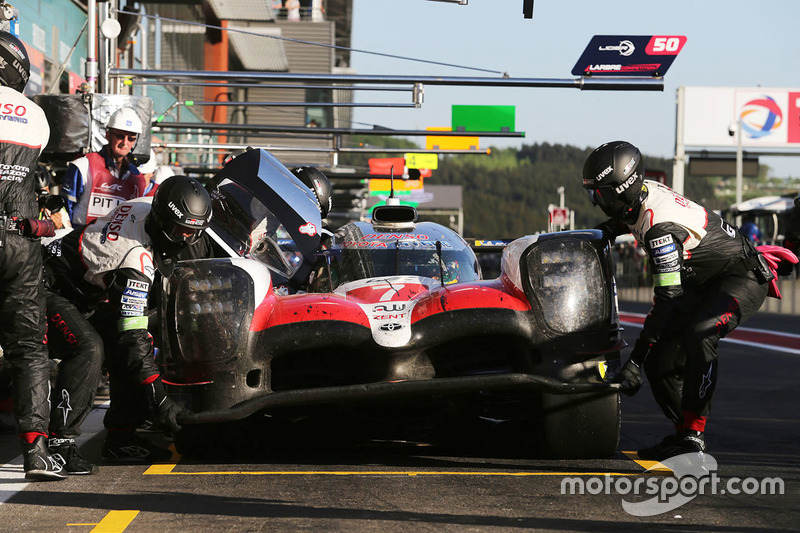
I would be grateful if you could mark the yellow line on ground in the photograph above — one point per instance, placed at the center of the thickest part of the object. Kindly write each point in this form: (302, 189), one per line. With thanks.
(115, 522)
(168, 469)
(647, 465)
(159, 470)
(378, 473)
(165, 468)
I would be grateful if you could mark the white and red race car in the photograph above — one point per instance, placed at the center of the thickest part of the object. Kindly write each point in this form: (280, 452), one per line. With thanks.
(388, 312)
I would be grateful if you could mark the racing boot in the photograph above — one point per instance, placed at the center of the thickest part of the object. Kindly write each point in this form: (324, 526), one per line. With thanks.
(672, 445)
(66, 451)
(128, 447)
(39, 464)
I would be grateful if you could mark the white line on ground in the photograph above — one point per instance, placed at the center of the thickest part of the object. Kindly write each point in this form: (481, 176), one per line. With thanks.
(12, 476)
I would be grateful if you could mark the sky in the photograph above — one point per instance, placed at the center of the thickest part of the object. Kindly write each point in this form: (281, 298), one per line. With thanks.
(730, 43)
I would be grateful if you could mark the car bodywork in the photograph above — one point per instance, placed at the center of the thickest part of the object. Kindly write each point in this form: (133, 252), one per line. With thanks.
(390, 311)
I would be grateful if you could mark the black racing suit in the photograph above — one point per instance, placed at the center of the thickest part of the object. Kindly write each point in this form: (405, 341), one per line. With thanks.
(107, 269)
(24, 133)
(707, 281)
(72, 340)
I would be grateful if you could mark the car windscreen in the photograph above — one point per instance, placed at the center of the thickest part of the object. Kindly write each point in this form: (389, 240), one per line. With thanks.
(254, 191)
(239, 215)
(360, 255)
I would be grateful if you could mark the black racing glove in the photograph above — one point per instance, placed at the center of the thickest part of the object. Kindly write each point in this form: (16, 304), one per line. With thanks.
(630, 377)
(165, 410)
(612, 229)
(168, 413)
(631, 374)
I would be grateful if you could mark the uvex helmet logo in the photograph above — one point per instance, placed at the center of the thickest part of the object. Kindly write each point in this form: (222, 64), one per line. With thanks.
(626, 184)
(604, 173)
(21, 69)
(175, 209)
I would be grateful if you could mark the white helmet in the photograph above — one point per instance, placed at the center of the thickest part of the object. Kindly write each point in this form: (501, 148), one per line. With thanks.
(165, 171)
(151, 165)
(125, 119)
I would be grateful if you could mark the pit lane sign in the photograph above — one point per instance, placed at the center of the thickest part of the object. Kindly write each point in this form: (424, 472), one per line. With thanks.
(559, 216)
(629, 55)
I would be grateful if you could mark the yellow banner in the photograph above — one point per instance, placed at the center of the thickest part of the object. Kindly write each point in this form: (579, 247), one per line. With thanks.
(381, 185)
(450, 143)
(430, 161)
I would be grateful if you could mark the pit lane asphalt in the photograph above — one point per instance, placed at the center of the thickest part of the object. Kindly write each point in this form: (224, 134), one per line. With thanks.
(754, 432)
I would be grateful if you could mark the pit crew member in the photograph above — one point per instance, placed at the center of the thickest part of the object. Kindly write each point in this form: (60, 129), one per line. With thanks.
(98, 182)
(708, 279)
(24, 133)
(108, 267)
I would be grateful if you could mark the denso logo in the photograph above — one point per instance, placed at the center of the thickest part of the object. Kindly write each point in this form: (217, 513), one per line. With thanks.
(111, 186)
(628, 182)
(11, 109)
(175, 209)
(604, 173)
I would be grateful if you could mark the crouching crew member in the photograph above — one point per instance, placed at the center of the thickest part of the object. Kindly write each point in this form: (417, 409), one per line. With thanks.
(109, 267)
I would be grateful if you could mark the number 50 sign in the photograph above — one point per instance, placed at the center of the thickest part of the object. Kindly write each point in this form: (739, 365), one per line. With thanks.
(665, 45)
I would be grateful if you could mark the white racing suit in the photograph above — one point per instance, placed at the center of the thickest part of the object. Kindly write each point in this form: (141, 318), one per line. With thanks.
(107, 267)
(707, 281)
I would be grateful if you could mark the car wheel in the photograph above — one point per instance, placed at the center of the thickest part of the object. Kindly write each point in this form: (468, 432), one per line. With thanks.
(580, 426)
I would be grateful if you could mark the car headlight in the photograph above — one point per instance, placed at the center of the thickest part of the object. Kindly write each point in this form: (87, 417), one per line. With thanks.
(213, 310)
(564, 276)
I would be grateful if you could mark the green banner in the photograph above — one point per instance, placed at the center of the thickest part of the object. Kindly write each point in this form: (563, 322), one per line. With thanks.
(483, 118)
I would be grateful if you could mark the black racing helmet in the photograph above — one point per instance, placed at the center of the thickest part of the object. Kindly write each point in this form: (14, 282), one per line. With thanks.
(181, 209)
(614, 177)
(15, 67)
(314, 179)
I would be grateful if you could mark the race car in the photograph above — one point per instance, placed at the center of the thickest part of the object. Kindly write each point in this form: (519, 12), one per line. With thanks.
(389, 316)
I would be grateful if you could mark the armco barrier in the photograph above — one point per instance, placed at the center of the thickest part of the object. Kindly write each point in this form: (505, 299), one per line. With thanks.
(634, 284)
